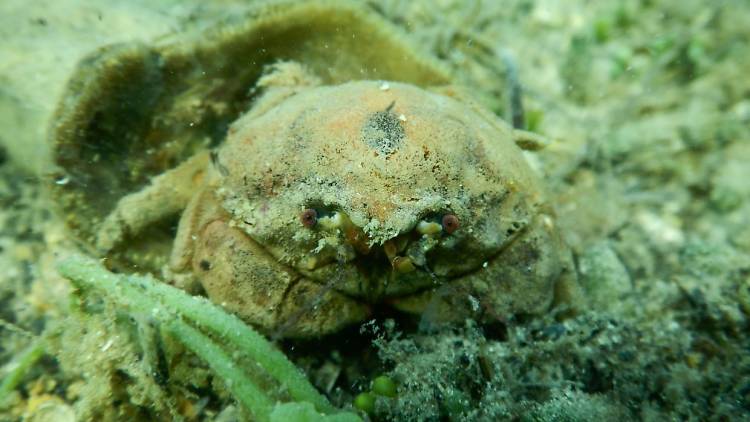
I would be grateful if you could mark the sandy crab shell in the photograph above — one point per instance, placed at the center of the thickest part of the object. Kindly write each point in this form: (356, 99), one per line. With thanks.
(328, 200)
(131, 141)
(132, 111)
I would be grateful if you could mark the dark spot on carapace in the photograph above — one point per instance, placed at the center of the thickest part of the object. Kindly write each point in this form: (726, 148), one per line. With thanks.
(383, 131)
(514, 227)
(205, 265)
(425, 152)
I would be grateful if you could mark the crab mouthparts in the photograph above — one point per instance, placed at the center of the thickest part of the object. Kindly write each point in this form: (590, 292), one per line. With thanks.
(392, 248)
(403, 253)
(395, 251)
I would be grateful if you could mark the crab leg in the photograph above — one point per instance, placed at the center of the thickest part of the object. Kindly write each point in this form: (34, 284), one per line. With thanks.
(166, 195)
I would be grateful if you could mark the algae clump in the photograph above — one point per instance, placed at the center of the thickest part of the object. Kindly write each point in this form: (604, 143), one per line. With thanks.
(213, 335)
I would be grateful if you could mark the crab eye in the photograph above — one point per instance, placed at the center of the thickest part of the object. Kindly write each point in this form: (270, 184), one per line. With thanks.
(309, 217)
(450, 223)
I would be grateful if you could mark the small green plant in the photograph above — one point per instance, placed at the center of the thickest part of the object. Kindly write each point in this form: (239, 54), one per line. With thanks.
(213, 335)
(365, 402)
(382, 386)
(21, 367)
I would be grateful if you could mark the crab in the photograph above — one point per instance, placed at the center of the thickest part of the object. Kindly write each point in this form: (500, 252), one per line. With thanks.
(305, 198)
(327, 200)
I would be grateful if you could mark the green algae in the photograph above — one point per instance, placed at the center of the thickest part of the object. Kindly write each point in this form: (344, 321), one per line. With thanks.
(185, 317)
(26, 359)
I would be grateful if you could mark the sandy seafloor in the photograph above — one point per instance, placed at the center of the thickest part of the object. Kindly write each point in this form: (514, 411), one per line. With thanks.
(648, 104)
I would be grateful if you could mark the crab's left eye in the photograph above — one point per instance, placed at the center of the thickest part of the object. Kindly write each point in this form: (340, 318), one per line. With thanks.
(450, 223)
(430, 226)
(309, 217)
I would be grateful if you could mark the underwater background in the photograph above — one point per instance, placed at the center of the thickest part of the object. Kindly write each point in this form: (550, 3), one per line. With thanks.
(647, 106)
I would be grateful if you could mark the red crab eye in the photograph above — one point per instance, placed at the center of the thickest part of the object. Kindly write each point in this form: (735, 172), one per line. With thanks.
(309, 217)
(450, 223)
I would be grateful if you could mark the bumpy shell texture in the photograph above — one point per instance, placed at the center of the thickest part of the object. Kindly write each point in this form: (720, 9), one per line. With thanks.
(386, 160)
(133, 111)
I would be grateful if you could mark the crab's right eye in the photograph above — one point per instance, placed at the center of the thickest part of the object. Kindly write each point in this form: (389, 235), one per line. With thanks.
(309, 217)
(450, 223)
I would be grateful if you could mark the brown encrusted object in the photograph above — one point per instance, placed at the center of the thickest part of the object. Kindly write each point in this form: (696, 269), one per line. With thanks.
(132, 111)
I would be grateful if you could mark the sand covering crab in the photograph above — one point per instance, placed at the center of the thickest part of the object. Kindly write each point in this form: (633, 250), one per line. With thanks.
(328, 197)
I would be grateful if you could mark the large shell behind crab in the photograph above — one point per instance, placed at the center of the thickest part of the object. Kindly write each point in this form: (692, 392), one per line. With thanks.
(133, 111)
